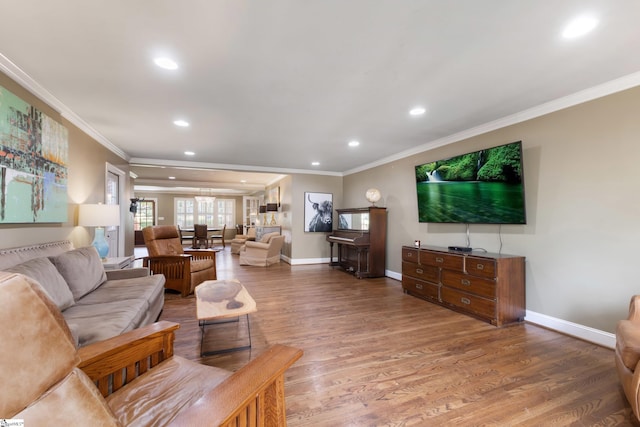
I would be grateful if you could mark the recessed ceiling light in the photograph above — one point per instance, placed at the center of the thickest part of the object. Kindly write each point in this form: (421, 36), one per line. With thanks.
(354, 143)
(166, 63)
(579, 27)
(181, 123)
(244, 181)
(315, 163)
(189, 153)
(172, 177)
(417, 111)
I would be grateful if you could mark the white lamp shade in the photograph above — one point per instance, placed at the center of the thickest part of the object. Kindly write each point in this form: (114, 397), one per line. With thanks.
(98, 215)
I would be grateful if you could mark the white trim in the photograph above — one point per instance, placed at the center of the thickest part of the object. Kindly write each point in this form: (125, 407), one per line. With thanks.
(393, 275)
(300, 261)
(121, 201)
(596, 336)
(27, 82)
(608, 88)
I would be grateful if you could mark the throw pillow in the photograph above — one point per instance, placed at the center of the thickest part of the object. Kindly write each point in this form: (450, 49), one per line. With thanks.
(44, 272)
(82, 269)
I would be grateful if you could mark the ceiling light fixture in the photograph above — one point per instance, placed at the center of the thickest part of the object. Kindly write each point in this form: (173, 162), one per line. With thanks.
(166, 63)
(189, 153)
(181, 123)
(354, 143)
(417, 111)
(579, 27)
(172, 177)
(315, 163)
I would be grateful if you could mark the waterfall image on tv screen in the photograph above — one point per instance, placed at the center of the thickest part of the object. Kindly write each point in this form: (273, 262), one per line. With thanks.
(482, 187)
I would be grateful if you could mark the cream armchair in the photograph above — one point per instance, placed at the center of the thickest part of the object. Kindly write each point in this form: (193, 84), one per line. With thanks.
(129, 380)
(241, 239)
(263, 253)
(627, 354)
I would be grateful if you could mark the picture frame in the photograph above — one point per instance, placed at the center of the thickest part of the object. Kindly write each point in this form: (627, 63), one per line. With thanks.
(318, 212)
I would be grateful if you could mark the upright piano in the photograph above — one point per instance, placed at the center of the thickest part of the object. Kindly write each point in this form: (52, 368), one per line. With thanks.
(361, 239)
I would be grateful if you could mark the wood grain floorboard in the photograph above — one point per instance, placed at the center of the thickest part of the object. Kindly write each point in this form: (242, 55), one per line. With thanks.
(374, 356)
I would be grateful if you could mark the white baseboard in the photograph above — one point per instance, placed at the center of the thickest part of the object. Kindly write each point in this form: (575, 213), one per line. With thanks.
(393, 275)
(596, 336)
(300, 261)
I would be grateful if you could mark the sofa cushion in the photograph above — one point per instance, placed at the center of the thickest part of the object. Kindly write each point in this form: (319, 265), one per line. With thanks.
(628, 343)
(201, 264)
(97, 322)
(162, 392)
(82, 269)
(46, 274)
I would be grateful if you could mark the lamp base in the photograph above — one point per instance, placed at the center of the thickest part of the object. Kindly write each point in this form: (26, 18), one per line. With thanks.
(100, 243)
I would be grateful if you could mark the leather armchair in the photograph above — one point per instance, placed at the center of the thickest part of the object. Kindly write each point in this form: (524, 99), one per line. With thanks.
(627, 354)
(131, 379)
(241, 239)
(263, 253)
(183, 269)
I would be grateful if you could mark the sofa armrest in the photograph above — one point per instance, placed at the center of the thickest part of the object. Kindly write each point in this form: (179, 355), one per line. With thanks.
(255, 390)
(116, 361)
(127, 273)
(256, 245)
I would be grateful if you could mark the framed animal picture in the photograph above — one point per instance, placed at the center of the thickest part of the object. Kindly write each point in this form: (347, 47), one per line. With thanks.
(318, 212)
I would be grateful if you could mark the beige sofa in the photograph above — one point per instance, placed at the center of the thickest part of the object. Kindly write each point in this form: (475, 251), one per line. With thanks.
(96, 304)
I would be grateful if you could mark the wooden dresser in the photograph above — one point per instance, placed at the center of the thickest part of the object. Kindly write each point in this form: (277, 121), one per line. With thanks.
(488, 286)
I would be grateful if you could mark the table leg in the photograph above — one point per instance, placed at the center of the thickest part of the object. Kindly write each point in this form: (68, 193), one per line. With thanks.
(204, 323)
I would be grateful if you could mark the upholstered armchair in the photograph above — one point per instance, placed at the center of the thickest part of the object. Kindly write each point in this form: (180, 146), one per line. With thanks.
(627, 354)
(129, 380)
(183, 269)
(241, 239)
(263, 253)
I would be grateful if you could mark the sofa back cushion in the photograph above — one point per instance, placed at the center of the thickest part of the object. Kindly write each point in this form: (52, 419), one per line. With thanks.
(82, 269)
(45, 273)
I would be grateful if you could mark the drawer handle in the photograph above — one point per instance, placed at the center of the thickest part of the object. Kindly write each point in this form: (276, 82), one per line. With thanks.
(440, 260)
(409, 254)
(480, 266)
(419, 271)
(465, 282)
(465, 301)
(418, 286)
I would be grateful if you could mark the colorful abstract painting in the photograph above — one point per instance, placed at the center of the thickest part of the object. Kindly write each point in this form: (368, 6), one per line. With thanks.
(34, 152)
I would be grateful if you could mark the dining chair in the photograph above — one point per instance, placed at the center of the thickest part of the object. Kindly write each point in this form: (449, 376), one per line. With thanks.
(200, 236)
(218, 237)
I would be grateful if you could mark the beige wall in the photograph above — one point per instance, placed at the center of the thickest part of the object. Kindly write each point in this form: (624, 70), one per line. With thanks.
(310, 247)
(86, 184)
(581, 180)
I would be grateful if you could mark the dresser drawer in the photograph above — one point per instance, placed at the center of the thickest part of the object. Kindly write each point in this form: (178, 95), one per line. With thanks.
(474, 304)
(481, 267)
(418, 287)
(410, 255)
(443, 260)
(423, 272)
(475, 285)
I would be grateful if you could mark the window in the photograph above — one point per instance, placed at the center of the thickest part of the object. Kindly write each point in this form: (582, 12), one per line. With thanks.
(145, 215)
(214, 212)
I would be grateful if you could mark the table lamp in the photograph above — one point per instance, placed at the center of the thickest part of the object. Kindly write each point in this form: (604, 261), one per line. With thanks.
(272, 207)
(99, 216)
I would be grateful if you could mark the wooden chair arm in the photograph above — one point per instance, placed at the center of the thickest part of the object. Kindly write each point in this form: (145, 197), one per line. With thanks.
(201, 253)
(116, 361)
(254, 395)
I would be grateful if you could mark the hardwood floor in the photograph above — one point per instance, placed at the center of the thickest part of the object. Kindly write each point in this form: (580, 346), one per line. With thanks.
(375, 356)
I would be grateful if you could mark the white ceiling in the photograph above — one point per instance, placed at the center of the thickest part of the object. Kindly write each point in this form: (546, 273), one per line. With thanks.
(272, 85)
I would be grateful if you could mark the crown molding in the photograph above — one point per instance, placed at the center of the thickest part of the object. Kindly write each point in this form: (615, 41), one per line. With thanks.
(608, 88)
(27, 82)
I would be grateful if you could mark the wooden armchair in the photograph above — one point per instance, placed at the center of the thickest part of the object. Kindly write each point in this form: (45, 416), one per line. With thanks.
(59, 386)
(183, 269)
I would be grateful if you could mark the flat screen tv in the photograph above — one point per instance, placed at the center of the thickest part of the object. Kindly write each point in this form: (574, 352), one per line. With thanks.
(482, 187)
